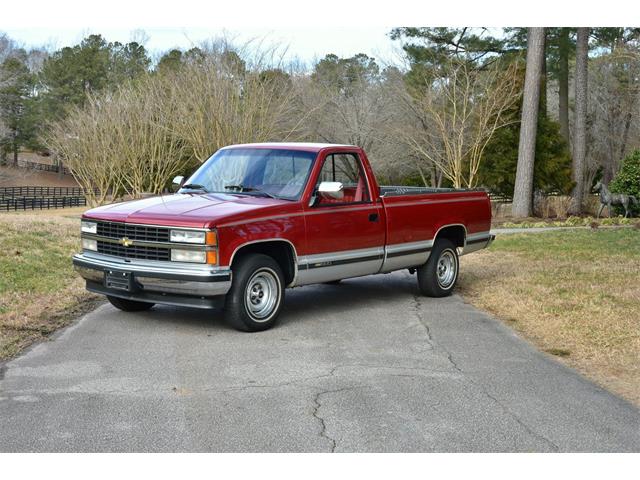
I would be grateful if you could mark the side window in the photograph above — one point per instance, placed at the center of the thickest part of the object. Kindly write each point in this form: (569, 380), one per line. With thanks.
(346, 169)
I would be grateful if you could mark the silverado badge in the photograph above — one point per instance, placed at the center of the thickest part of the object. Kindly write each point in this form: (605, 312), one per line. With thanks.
(124, 241)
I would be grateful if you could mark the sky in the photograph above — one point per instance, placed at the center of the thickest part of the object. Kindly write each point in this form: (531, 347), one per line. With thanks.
(304, 43)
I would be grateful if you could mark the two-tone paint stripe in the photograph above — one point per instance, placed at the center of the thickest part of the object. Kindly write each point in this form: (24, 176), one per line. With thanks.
(330, 259)
(310, 262)
(479, 237)
(409, 248)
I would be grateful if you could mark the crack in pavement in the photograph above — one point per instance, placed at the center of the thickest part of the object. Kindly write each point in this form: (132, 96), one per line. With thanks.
(482, 388)
(316, 413)
(417, 310)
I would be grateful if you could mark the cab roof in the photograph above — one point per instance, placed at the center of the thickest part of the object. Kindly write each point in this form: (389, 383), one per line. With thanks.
(309, 147)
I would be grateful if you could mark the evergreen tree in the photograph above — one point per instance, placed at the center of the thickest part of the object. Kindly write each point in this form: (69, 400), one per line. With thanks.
(15, 106)
(552, 168)
(70, 73)
(345, 74)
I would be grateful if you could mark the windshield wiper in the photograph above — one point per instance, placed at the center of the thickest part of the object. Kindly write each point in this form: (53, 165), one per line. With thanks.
(243, 189)
(195, 186)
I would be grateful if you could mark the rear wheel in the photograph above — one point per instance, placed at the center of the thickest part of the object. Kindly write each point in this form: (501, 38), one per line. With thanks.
(129, 305)
(257, 293)
(439, 275)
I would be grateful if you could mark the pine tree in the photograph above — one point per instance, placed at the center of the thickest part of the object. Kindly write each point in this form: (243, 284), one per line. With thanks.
(523, 190)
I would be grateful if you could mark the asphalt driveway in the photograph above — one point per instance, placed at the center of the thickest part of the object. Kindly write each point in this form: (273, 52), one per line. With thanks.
(362, 366)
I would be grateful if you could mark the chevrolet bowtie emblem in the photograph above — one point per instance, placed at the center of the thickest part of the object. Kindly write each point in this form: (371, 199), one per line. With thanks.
(124, 241)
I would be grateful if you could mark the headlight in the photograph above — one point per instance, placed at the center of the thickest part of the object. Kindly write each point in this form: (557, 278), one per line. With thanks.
(191, 256)
(88, 244)
(88, 227)
(187, 236)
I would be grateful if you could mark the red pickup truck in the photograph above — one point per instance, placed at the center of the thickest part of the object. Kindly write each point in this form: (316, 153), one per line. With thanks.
(257, 218)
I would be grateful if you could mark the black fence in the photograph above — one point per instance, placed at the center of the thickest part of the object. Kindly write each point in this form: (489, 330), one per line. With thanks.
(44, 167)
(29, 191)
(40, 198)
(40, 203)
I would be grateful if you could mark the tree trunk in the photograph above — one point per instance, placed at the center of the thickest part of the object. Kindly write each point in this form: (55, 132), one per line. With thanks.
(523, 189)
(543, 78)
(580, 134)
(15, 153)
(563, 85)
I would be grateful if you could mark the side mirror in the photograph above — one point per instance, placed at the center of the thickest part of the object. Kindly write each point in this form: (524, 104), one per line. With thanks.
(332, 189)
(177, 183)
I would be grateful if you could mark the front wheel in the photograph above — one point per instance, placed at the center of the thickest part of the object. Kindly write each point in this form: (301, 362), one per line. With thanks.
(438, 276)
(257, 293)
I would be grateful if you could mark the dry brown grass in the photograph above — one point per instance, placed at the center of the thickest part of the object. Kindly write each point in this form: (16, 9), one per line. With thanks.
(39, 291)
(575, 294)
(18, 177)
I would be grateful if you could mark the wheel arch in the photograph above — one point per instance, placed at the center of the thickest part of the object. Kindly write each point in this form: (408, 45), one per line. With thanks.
(280, 249)
(455, 232)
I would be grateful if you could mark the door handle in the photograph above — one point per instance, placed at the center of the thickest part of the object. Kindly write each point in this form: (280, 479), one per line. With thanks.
(373, 217)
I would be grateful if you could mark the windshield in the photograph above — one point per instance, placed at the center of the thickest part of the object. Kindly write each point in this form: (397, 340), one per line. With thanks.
(255, 171)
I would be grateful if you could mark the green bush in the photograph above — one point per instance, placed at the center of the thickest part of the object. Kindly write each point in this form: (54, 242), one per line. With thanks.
(628, 180)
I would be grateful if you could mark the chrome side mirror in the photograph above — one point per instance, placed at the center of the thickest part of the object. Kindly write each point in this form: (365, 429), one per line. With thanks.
(177, 183)
(332, 189)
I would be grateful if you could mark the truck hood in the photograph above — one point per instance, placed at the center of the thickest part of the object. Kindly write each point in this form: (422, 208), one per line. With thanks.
(191, 210)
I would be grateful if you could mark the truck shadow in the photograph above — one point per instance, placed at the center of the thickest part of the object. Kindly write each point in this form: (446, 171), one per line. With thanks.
(303, 304)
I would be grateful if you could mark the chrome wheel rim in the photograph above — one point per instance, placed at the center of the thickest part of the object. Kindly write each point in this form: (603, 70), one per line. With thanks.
(262, 294)
(446, 269)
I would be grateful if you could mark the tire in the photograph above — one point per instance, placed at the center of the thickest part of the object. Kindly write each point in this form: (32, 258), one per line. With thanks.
(257, 293)
(438, 277)
(129, 305)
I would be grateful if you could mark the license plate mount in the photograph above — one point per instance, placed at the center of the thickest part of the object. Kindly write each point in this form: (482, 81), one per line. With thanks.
(119, 280)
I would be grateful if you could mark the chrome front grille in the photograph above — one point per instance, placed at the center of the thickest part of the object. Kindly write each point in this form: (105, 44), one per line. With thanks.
(134, 251)
(144, 233)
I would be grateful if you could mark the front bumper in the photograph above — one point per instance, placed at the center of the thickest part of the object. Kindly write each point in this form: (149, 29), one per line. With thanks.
(157, 282)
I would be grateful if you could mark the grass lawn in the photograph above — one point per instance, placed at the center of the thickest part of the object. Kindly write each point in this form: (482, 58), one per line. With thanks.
(39, 291)
(575, 294)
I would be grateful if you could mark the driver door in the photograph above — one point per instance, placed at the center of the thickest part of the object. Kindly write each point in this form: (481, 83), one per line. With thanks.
(344, 233)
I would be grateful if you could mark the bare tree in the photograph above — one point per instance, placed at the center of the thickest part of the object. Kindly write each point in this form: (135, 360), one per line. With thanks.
(523, 189)
(455, 116)
(119, 143)
(83, 142)
(580, 130)
(366, 116)
(135, 139)
(614, 99)
(216, 106)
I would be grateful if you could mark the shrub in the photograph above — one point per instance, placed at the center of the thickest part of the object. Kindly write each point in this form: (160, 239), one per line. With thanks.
(552, 169)
(627, 180)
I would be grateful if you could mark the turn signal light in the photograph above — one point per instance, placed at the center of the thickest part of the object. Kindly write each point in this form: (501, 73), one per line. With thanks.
(212, 257)
(212, 238)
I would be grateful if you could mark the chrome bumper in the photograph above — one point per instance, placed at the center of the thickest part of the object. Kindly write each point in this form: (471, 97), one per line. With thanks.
(160, 282)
